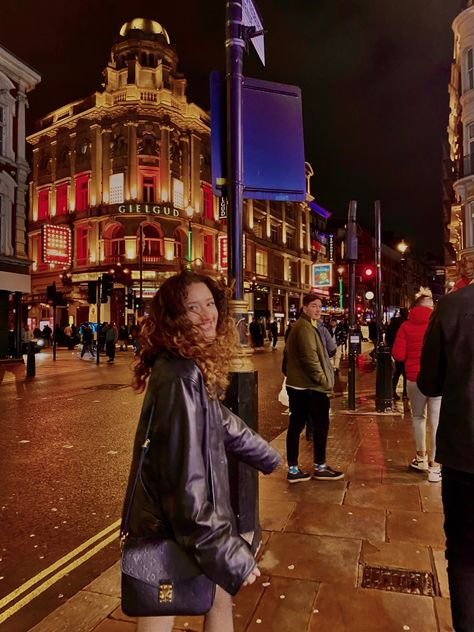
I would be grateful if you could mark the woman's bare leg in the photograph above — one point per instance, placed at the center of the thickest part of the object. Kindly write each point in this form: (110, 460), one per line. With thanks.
(155, 624)
(219, 618)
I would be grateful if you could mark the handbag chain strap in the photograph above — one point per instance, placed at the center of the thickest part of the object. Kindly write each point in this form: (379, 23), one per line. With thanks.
(144, 449)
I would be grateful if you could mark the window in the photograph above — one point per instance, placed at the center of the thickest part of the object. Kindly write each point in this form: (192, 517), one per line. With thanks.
(114, 243)
(293, 272)
(469, 69)
(208, 254)
(290, 240)
(116, 188)
(82, 193)
(61, 199)
(149, 189)
(152, 242)
(261, 262)
(43, 204)
(207, 201)
(2, 130)
(257, 228)
(275, 234)
(178, 193)
(82, 244)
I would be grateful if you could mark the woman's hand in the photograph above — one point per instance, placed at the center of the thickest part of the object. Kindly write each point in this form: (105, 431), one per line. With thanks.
(252, 577)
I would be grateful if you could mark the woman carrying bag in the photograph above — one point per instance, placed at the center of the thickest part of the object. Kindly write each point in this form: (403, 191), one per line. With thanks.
(178, 492)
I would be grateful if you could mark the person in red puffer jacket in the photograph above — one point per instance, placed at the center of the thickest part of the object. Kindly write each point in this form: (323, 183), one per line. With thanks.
(407, 349)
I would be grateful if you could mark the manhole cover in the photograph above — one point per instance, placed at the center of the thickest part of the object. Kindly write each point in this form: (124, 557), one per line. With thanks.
(399, 580)
(107, 387)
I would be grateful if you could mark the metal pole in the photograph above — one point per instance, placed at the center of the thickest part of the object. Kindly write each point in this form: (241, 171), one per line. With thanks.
(234, 62)
(383, 378)
(351, 256)
(140, 264)
(341, 297)
(54, 330)
(18, 321)
(190, 243)
(242, 394)
(97, 360)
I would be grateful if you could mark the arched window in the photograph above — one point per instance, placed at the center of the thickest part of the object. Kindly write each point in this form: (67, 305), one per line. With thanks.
(180, 244)
(114, 243)
(152, 243)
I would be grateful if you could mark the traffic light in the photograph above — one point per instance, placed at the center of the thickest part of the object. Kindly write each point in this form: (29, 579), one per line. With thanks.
(51, 293)
(368, 273)
(92, 292)
(107, 287)
(137, 304)
(130, 298)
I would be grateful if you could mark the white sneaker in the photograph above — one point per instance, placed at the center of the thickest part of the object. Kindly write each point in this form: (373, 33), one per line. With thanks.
(434, 474)
(420, 463)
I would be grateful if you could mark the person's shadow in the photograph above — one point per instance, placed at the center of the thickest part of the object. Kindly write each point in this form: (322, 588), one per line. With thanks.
(14, 372)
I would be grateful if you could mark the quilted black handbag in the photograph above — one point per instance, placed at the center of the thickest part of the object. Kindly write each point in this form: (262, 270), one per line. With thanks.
(159, 578)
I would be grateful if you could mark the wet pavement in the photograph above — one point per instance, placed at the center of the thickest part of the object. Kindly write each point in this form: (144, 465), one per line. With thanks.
(319, 537)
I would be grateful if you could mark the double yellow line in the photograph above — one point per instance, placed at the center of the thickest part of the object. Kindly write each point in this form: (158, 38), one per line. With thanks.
(45, 578)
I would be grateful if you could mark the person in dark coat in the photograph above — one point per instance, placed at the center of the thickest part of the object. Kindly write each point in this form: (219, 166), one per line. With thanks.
(273, 330)
(447, 370)
(390, 335)
(189, 341)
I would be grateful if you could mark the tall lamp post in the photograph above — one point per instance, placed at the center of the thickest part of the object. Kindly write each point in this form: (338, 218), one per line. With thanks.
(189, 213)
(402, 247)
(340, 272)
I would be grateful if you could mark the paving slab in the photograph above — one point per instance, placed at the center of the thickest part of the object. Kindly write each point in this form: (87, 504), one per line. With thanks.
(338, 520)
(313, 557)
(81, 613)
(108, 583)
(430, 494)
(363, 610)
(286, 606)
(384, 496)
(443, 613)
(274, 487)
(417, 527)
(396, 555)
(441, 567)
(275, 514)
(112, 625)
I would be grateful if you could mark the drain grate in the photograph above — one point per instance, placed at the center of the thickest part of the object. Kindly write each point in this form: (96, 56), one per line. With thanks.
(399, 580)
(107, 387)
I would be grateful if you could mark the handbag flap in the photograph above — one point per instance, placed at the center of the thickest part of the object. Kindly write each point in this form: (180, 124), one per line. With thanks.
(154, 560)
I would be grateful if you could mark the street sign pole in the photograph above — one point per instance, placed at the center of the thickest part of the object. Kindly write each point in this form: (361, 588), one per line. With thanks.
(54, 330)
(352, 256)
(97, 359)
(383, 377)
(242, 394)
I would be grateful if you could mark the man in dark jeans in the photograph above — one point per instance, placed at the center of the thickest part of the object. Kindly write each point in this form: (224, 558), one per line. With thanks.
(447, 369)
(310, 379)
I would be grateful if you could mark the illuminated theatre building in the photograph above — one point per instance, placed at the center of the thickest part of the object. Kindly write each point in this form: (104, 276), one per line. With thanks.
(124, 177)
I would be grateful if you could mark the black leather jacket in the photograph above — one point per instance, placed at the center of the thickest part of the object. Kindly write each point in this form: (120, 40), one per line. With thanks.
(178, 493)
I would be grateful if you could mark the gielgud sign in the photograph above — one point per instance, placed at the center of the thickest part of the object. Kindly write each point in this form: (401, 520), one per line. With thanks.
(167, 210)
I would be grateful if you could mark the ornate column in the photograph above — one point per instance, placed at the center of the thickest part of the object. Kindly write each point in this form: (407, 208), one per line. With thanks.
(19, 245)
(307, 245)
(105, 143)
(132, 172)
(185, 153)
(34, 188)
(165, 176)
(248, 214)
(96, 165)
(283, 222)
(268, 230)
(72, 162)
(196, 173)
(52, 195)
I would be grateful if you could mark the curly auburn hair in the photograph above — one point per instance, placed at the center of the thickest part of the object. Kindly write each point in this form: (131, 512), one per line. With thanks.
(168, 327)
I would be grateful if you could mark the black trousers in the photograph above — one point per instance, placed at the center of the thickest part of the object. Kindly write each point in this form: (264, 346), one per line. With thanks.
(307, 405)
(110, 349)
(399, 370)
(458, 503)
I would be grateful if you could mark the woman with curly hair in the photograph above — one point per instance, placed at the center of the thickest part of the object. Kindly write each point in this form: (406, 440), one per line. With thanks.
(187, 346)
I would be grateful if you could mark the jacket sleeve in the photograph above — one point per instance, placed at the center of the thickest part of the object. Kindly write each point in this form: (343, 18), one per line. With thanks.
(247, 445)
(184, 490)
(432, 373)
(329, 341)
(399, 349)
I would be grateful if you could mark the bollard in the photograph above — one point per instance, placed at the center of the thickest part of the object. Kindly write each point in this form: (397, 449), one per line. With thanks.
(383, 383)
(31, 360)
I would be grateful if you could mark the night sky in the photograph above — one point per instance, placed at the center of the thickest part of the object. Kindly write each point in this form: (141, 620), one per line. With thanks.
(374, 76)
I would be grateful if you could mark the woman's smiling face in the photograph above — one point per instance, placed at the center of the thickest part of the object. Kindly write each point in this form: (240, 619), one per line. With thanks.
(201, 309)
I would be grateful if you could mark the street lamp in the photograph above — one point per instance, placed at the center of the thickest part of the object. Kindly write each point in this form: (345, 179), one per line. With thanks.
(402, 247)
(189, 213)
(340, 272)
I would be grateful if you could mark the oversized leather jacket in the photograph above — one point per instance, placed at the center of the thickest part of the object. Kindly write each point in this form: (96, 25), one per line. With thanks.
(179, 493)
